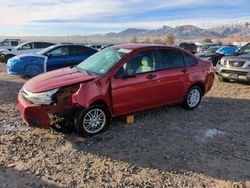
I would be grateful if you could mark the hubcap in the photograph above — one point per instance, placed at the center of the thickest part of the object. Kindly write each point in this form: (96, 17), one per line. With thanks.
(94, 121)
(193, 98)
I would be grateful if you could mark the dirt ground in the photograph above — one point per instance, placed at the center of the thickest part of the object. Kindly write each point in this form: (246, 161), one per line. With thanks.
(170, 146)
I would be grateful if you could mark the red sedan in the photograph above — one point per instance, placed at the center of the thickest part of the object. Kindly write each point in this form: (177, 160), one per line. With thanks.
(116, 81)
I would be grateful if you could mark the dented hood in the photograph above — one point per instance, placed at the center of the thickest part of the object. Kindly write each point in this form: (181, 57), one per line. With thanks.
(56, 79)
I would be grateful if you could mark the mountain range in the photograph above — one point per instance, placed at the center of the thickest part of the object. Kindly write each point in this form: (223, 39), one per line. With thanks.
(181, 33)
(185, 32)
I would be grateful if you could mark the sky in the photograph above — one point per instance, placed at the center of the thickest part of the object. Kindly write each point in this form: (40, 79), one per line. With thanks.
(84, 17)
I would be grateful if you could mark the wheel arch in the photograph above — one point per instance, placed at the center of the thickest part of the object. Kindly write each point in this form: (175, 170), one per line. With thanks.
(101, 102)
(6, 55)
(199, 84)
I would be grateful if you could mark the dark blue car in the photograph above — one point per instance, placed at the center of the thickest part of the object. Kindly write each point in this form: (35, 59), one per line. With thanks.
(51, 58)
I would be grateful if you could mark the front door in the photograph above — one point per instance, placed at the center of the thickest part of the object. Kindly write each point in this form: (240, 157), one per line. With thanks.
(138, 92)
(58, 58)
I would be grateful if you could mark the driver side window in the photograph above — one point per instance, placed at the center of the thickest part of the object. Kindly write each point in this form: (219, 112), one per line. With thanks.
(140, 63)
(26, 47)
(61, 51)
(246, 49)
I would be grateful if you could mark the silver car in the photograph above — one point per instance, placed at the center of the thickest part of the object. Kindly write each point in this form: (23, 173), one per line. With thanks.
(235, 67)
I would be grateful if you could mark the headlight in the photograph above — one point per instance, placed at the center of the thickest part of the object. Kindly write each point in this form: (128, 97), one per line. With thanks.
(45, 98)
(223, 62)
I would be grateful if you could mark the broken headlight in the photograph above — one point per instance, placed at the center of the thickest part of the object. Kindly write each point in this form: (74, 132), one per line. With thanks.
(45, 98)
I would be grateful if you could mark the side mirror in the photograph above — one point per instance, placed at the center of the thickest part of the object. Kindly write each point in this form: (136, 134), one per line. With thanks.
(130, 73)
(49, 54)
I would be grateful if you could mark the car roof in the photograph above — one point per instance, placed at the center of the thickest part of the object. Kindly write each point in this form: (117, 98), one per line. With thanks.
(138, 46)
(27, 42)
(69, 44)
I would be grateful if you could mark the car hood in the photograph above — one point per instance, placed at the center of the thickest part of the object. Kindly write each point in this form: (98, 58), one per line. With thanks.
(242, 57)
(56, 79)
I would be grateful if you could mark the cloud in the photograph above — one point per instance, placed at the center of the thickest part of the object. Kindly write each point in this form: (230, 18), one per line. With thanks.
(153, 24)
(110, 15)
(24, 11)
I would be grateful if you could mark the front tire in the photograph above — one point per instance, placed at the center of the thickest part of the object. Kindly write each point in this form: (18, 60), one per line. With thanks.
(192, 98)
(92, 120)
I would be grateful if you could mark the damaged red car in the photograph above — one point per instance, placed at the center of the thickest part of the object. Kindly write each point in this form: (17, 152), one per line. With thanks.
(116, 81)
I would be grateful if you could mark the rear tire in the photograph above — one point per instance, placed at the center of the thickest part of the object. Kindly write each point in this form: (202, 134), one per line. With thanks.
(192, 98)
(221, 79)
(92, 120)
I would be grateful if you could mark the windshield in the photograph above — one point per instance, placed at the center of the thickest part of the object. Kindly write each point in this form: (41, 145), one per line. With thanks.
(101, 62)
(21, 45)
(245, 49)
(4, 43)
(227, 50)
(212, 50)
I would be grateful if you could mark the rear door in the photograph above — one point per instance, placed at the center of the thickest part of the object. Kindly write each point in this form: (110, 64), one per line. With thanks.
(139, 92)
(173, 76)
(78, 54)
(41, 45)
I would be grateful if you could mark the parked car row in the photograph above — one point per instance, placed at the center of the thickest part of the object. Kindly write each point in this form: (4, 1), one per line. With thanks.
(99, 47)
(24, 48)
(51, 58)
(216, 53)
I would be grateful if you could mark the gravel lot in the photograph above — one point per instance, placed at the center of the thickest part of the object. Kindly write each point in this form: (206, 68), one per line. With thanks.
(207, 147)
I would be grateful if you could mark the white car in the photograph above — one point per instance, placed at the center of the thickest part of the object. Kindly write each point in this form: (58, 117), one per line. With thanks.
(9, 43)
(24, 48)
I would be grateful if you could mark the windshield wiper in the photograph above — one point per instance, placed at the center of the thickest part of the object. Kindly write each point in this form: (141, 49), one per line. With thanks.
(79, 69)
(84, 71)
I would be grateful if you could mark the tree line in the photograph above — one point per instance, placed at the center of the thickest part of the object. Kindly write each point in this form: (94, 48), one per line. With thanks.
(169, 40)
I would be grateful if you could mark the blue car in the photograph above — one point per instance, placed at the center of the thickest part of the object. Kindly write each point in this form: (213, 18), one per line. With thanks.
(227, 50)
(48, 59)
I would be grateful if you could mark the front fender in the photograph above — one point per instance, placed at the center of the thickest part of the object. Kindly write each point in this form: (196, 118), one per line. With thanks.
(90, 92)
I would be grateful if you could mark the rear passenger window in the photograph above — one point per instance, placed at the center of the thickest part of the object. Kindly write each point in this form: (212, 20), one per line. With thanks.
(42, 44)
(60, 51)
(189, 60)
(80, 50)
(14, 43)
(170, 59)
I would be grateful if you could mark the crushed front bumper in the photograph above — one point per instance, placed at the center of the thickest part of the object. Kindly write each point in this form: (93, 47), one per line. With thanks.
(32, 114)
(41, 116)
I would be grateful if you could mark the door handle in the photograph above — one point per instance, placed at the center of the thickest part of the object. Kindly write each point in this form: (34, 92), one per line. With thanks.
(184, 70)
(151, 76)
